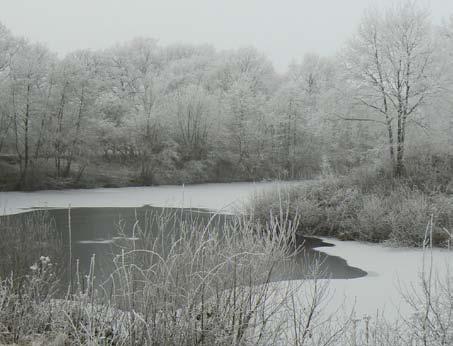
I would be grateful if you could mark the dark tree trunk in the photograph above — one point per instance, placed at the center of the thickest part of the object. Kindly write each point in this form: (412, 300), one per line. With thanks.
(399, 164)
(23, 178)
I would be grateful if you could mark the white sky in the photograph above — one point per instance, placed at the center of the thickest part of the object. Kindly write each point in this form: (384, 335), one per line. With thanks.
(282, 29)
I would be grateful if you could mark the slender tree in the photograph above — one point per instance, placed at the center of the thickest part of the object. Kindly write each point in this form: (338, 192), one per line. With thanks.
(391, 63)
(28, 79)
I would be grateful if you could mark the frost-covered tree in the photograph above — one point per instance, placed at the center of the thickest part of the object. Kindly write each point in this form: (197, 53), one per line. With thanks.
(28, 87)
(391, 64)
(135, 69)
(193, 109)
(7, 50)
(77, 87)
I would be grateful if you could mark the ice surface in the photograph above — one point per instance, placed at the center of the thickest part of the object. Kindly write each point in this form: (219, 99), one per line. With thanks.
(391, 272)
(223, 197)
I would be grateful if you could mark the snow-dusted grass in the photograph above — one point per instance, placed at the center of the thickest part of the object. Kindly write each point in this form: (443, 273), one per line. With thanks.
(206, 285)
(367, 206)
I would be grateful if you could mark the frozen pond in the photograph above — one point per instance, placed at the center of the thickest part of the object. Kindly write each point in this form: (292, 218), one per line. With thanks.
(390, 270)
(95, 231)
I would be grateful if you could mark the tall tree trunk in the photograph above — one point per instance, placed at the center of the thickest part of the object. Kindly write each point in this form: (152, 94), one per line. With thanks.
(40, 141)
(391, 141)
(23, 178)
(293, 161)
(5, 131)
(16, 137)
(77, 133)
(399, 164)
(288, 144)
(58, 141)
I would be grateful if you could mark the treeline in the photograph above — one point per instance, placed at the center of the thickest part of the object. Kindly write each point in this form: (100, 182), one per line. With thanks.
(184, 113)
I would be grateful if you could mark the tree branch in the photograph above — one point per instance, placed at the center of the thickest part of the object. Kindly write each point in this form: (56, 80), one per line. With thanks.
(361, 119)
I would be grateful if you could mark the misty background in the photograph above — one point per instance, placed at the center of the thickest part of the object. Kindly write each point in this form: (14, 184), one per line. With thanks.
(283, 30)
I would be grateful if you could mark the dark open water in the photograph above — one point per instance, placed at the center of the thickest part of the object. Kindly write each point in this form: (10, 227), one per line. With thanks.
(94, 231)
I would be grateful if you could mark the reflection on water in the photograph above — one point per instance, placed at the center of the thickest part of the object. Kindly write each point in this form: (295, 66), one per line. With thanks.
(95, 232)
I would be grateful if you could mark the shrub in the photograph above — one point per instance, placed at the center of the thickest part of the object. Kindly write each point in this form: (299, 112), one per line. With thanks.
(372, 220)
(368, 205)
(430, 172)
(407, 217)
(195, 284)
(21, 302)
(209, 286)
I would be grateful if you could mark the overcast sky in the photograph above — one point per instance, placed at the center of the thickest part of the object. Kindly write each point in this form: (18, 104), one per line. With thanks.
(283, 29)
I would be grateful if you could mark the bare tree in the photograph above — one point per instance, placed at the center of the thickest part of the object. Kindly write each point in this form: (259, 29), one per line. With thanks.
(193, 113)
(136, 71)
(28, 78)
(7, 49)
(391, 62)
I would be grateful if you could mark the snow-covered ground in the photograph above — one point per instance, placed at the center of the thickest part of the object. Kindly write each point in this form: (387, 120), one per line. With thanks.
(390, 270)
(224, 197)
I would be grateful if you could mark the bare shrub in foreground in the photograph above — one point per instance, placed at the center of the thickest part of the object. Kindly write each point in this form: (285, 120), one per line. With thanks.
(211, 284)
(201, 284)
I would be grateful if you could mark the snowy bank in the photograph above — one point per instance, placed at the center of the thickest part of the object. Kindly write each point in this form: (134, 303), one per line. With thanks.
(226, 197)
(391, 272)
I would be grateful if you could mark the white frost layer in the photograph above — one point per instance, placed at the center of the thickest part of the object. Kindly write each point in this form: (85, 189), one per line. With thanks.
(222, 197)
(391, 272)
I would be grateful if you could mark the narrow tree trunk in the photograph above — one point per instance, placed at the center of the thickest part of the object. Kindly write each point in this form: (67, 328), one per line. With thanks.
(23, 179)
(288, 144)
(16, 140)
(399, 165)
(77, 133)
(293, 161)
(58, 141)
(5, 132)
(391, 142)
(40, 141)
